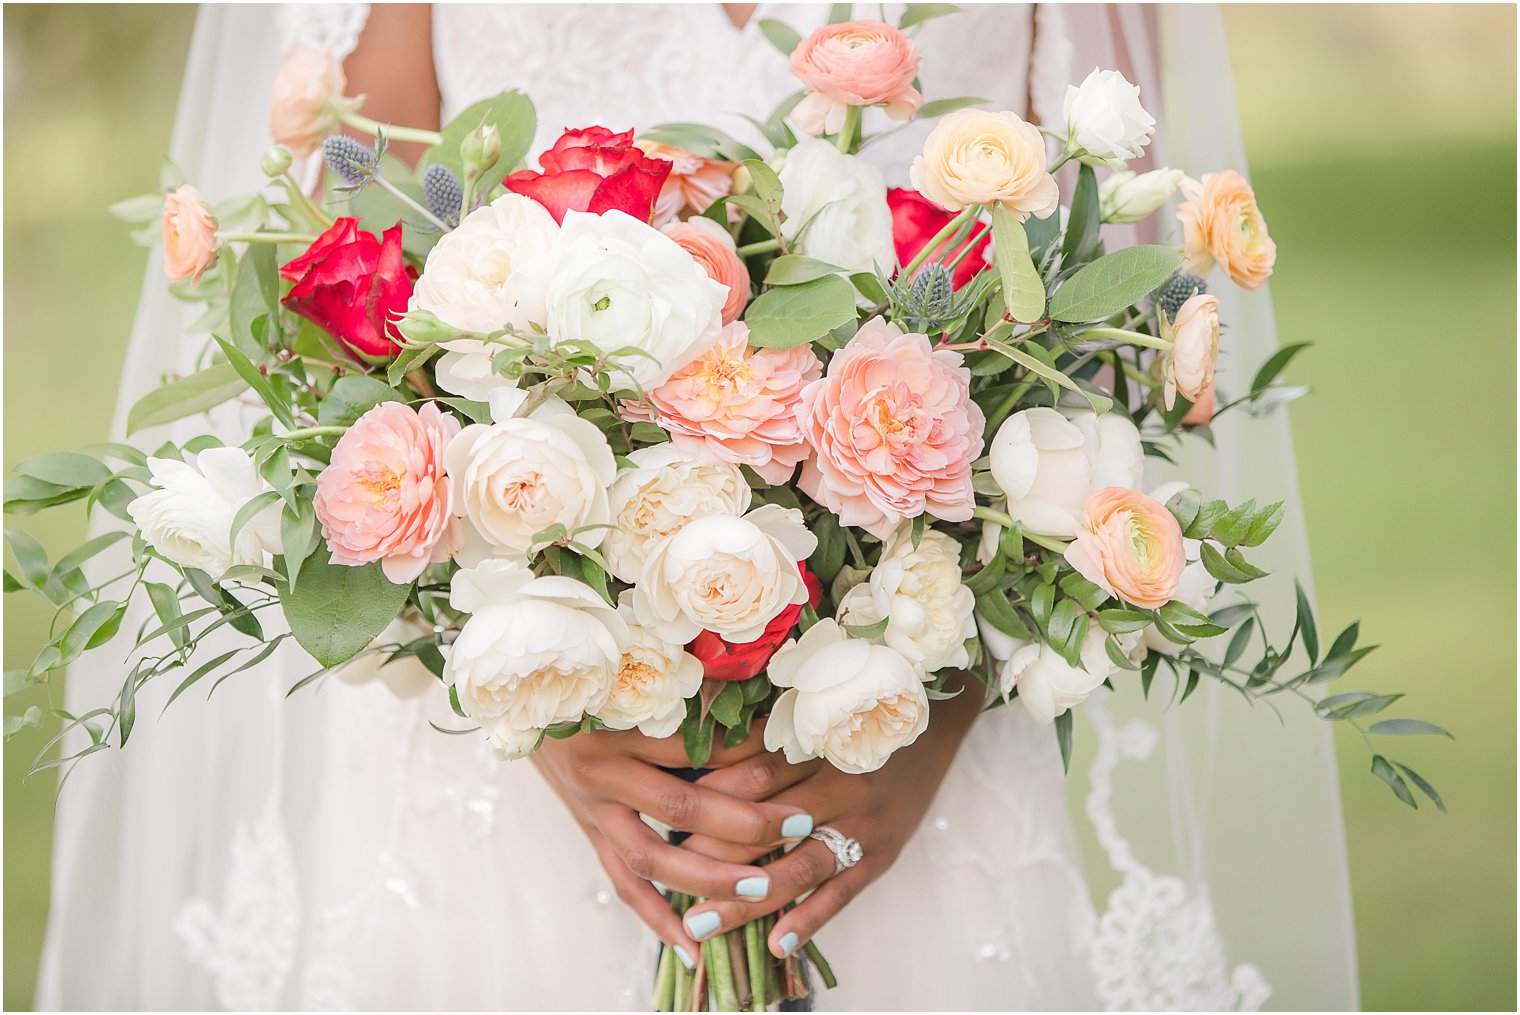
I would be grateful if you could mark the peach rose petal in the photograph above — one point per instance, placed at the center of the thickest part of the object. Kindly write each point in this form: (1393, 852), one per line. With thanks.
(710, 246)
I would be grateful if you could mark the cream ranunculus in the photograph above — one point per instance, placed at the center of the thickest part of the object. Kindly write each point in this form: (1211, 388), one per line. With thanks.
(836, 208)
(490, 273)
(1195, 347)
(1127, 198)
(518, 475)
(652, 683)
(846, 700)
(535, 651)
(663, 491)
(1048, 463)
(188, 516)
(919, 592)
(619, 283)
(1105, 120)
(726, 574)
(1048, 685)
(978, 157)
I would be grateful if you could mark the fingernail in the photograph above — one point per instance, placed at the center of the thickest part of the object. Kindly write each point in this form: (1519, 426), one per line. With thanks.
(701, 925)
(796, 826)
(685, 959)
(753, 888)
(788, 944)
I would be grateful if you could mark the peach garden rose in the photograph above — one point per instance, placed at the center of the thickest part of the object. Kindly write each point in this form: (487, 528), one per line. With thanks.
(1221, 224)
(189, 234)
(308, 98)
(854, 63)
(694, 182)
(1195, 347)
(1130, 547)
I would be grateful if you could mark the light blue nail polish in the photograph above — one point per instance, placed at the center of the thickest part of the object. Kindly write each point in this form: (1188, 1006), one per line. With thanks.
(753, 888)
(788, 943)
(701, 925)
(796, 826)
(685, 959)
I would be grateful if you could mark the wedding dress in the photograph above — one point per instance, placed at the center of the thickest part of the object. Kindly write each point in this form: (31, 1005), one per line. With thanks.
(331, 851)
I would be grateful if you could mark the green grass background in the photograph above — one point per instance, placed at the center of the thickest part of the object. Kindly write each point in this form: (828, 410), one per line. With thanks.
(1382, 146)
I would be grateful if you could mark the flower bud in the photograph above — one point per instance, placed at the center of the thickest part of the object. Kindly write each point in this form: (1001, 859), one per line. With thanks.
(276, 160)
(1127, 197)
(480, 150)
(420, 327)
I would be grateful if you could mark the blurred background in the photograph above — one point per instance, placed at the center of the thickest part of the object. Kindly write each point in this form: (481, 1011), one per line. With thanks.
(1382, 148)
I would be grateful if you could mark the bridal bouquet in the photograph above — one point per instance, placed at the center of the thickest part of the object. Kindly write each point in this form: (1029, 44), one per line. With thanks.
(669, 433)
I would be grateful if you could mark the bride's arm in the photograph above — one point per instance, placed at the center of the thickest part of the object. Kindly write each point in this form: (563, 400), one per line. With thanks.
(392, 66)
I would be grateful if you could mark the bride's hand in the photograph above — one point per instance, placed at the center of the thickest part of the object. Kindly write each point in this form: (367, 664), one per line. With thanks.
(881, 809)
(607, 780)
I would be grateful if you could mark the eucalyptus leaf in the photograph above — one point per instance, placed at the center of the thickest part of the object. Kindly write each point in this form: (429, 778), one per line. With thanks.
(1023, 290)
(336, 610)
(1113, 282)
(797, 314)
(186, 396)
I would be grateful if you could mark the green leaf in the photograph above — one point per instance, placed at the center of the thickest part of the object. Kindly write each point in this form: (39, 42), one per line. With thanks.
(1082, 240)
(511, 113)
(1087, 595)
(1023, 290)
(917, 14)
(794, 269)
(30, 557)
(1121, 621)
(869, 286)
(72, 560)
(1230, 566)
(839, 12)
(1423, 786)
(697, 733)
(1307, 631)
(997, 611)
(700, 139)
(1344, 641)
(1042, 234)
(1384, 771)
(166, 605)
(298, 536)
(255, 294)
(1114, 282)
(1264, 524)
(336, 611)
(727, 706)
(781, 35)
(351, 396)
(1184, 506)
(939, 107)
(828, 558)
(1275, 365)
(1208, 513)
(868, 631)
(1232, 526)
(1362, 704)
(475, 412)
(1068, 626)
(187, 396)
(257, 381)
(64, 468)
(1063, 739)
(797, 314)
(1408, 728)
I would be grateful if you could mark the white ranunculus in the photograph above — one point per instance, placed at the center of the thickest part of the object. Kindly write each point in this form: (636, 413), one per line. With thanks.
(1012, 655)
(535, 651)
(464, 369)
(490, 273)
(1104, 118)
(920, 593)
(723, 573)
(665, 489)
(619, 283)
(652, 683)
(188, 516)
(836, 208)
(846, 700)
(519, 475)
(1048, 685)
(1127, 198)
(510, 744)
(1196, 587)
(1049, 462)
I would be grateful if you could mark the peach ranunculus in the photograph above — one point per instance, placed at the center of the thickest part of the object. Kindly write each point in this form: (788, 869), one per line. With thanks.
(1195, 347)
(710, 246)
(737, 406)
(189, 234)
(384, 496)
(308, 99)
(894, 430)
(854, 63)
(694, 182)
(1130, 547)
(1203, 408)
(973, 156)
(1221, 224)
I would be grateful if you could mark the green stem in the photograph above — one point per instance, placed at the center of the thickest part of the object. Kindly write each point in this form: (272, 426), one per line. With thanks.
(1006, 521)
(664, 981)
(314, 431)
(760, 247)
(720, 972)
(757, 961)
(1007, 404)
(1066, 157)
(395, 192)
(824, 970)
(374, 128)
(970, 245)
(1132, 337)
(266, 238)
(314, 215)
(966, 215)
(846, 136)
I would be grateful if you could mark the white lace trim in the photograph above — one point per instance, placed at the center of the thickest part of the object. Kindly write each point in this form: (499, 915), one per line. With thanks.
(333, 28)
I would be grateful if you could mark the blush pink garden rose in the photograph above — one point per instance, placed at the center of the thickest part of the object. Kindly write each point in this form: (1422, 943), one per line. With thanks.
(694, 182)
(1195, 348)
(854, 63)
(894, 431)
(1129, 546)
(385, 496)
(737, 406)
(189, 234)
(710, 246)
(1221, 224)
(308, 100)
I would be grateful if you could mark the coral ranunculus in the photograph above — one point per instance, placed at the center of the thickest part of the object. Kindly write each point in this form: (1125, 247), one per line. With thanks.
(710, 246)
(594, 170)
(385, 497)
(189, 235)
(1130, 547)
(894, 430)
(724, 660)
(354, 284)
(694, 182)
(854, 63)
(1221, 224)
(916, 220)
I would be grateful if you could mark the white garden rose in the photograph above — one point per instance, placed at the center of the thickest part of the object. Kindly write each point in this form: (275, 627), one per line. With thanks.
(846, 700)
(511, 744)
(1128, 198)
(665, 489)
(1105, 120)
(653, 681)
(836, 208)
(519, 475)
(619, 283)
(535, 651)
(464, 369)
(188, 516)
(723, 573)
(490, 273)
(1048, 685)
(1196, 587)
(1049, 462)
(1012, 655)
(919, 591)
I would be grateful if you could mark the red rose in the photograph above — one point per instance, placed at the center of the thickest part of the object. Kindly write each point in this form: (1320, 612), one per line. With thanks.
(354, 285)
(915, 221)
(595, 170)
(722, 660)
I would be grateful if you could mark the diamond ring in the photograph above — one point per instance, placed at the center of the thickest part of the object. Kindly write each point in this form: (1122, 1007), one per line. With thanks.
(847, 851)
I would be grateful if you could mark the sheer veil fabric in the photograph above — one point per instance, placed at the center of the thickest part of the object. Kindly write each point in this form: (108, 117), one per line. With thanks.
(331, 851)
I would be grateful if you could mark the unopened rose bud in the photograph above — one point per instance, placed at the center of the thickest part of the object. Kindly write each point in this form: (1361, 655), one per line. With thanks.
(480, 150)
(276, 160)
(1127, 197)
(420, 327)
